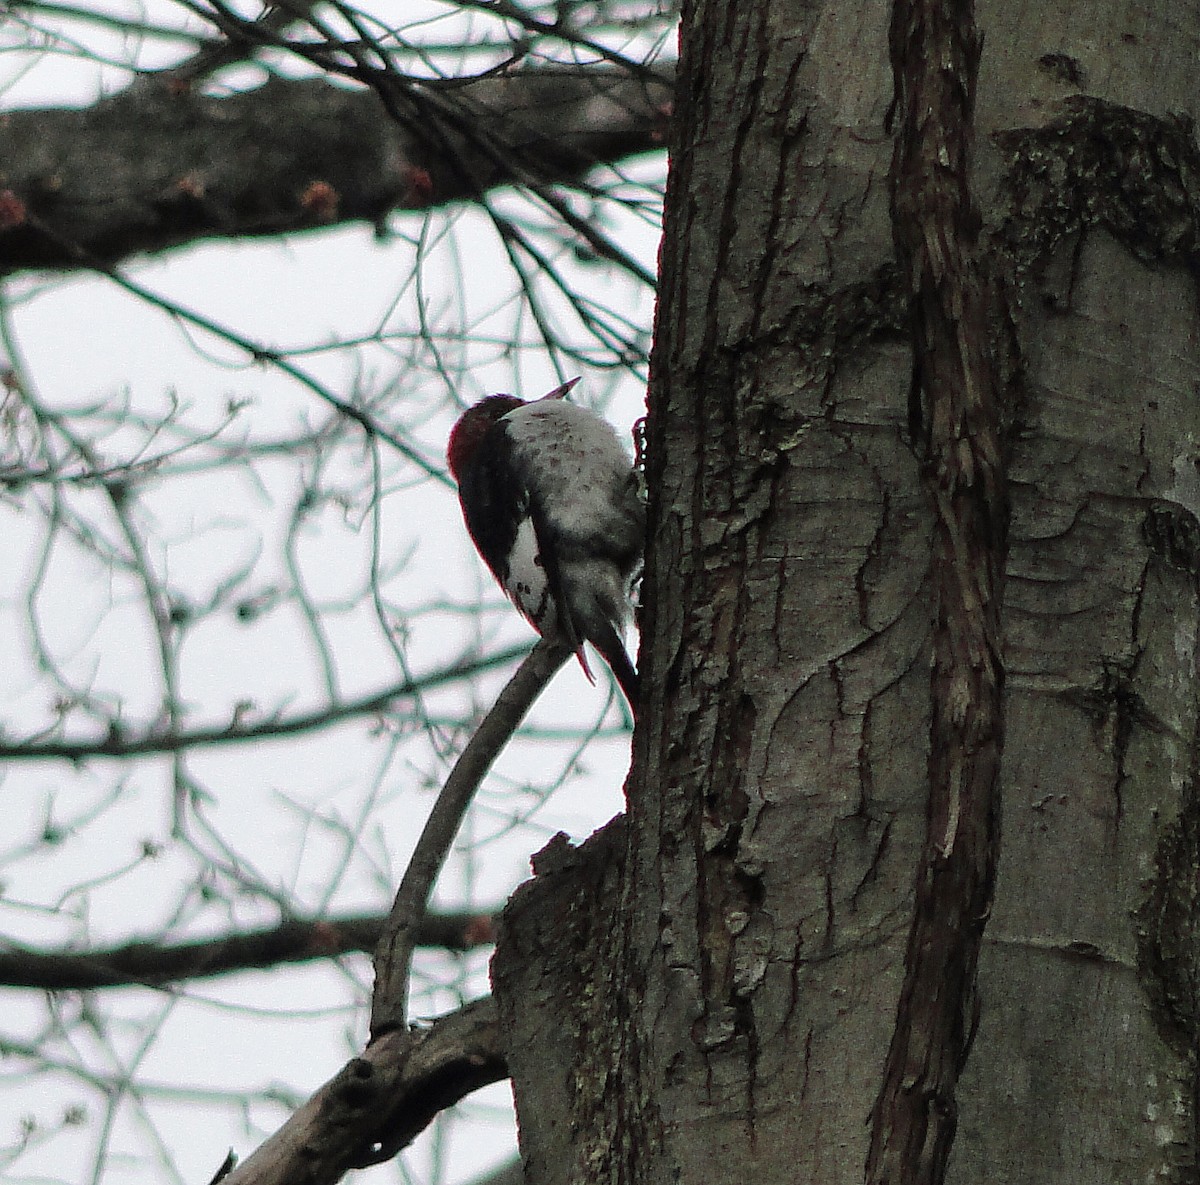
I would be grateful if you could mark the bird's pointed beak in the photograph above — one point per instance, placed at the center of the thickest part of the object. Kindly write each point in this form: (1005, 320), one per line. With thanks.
(560, 392)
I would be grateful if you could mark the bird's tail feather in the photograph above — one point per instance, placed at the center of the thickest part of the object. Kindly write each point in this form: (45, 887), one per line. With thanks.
(612, 650)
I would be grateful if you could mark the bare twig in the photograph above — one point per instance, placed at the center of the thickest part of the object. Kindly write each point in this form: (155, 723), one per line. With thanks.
(236, 46)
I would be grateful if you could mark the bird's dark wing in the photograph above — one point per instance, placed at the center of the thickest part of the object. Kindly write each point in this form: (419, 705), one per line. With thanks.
(511, 534)
(495, 501)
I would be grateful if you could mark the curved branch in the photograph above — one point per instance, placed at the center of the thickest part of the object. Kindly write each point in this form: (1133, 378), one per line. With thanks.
(389, 1003)
(153, 964)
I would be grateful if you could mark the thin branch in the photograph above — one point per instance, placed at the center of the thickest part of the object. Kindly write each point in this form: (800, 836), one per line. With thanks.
(256, 352)
(124, 24)
(116, 744)
(389, 1003)
(235, 46)
(153, 964)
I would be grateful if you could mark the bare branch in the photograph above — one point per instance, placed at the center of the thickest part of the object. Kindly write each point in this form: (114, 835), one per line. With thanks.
(234, 48)
(118, 745)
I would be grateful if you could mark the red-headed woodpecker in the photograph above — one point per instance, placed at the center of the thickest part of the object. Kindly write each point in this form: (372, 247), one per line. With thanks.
(551, 500)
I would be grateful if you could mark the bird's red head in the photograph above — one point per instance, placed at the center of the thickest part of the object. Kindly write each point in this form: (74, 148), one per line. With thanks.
(467, 435)
(473, 425)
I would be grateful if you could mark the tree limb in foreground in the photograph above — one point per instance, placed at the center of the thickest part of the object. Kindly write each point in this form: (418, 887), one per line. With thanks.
(156, 166)
(380, 1101)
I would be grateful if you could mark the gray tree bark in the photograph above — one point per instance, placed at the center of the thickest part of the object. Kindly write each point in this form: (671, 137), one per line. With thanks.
(726, 987)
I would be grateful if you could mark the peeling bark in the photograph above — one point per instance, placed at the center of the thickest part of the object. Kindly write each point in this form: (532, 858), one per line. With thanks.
(1097, 165)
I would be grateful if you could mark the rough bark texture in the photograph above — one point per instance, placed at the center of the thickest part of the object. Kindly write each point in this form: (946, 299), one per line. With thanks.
(1077, 1074)
(748, 976)
(157, 165)
(548, 981)
(756, 952)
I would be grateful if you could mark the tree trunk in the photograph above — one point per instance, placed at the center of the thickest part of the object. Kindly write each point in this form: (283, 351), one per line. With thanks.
(720, 988)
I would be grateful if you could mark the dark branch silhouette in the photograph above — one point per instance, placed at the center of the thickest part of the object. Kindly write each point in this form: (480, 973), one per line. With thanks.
(116, 744)
(389, 1003)
(156, 963)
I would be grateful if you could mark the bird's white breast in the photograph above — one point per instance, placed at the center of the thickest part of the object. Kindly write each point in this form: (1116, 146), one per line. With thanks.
(526, 581)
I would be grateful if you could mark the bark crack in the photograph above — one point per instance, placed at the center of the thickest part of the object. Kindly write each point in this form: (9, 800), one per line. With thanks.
(935, 55)
(1168, 925)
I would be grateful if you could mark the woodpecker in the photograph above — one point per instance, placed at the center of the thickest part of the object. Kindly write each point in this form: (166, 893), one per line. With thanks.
(551, 502)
